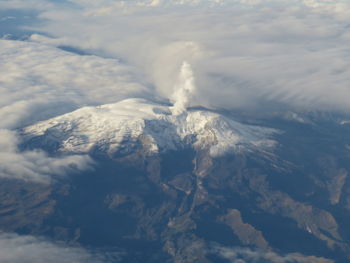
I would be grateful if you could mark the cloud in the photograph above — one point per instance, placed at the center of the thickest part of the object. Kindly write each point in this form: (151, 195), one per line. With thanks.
(39, 82)
(244, 54)
(37, 77)
(29, 249)
(247, 255)
(36, 165)
(28, 4)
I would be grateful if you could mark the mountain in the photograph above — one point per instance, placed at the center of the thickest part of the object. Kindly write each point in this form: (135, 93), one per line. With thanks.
(191, 186)
(120, 128)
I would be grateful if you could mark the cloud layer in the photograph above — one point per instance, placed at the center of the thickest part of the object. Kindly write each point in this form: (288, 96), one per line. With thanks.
(39, 82)
(36, 165)
(243, 53)
(28, 249)
(247, 255)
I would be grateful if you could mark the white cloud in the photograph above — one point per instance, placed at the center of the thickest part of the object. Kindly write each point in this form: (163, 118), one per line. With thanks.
(36, 77)
(26, 4)
(36, 165)
(38, 82)
(247, 255)
(242, 52)
(29, 249)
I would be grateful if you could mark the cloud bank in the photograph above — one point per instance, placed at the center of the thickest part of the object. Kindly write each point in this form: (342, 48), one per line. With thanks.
(243, 53)
(28, 249)
(39, 82)
(36, 165)
(247, 255)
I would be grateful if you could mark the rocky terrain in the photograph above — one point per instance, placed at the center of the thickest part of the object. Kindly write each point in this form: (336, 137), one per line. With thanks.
(199, 186)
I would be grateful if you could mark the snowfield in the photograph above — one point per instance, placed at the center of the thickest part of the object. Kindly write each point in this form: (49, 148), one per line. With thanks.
(123, 125)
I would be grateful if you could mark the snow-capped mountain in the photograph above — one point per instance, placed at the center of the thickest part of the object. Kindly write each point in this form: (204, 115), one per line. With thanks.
(157, 184)
(125, 125)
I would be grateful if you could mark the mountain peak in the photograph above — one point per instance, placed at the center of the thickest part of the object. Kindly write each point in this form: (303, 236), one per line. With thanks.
(121, 126)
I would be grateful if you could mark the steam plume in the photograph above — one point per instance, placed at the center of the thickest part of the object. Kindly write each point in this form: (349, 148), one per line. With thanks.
(184, 89)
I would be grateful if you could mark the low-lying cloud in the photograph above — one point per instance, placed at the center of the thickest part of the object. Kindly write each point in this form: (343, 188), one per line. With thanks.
(247, 255)
(243, 53)
(29, 249)
(36, 165)
(39, 82)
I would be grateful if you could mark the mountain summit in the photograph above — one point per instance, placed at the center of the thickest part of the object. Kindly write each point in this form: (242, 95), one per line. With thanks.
(121, 127)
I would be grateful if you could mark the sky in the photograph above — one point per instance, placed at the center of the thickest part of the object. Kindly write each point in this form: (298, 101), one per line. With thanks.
(58, 56)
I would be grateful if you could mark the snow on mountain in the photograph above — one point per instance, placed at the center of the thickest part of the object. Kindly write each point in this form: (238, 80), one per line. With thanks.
(121, 127)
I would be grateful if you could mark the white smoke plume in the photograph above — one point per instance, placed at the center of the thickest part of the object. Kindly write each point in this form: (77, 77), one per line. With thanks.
(184, 89)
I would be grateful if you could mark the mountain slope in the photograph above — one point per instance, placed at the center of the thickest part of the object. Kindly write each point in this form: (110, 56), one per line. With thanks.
(194, 186)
